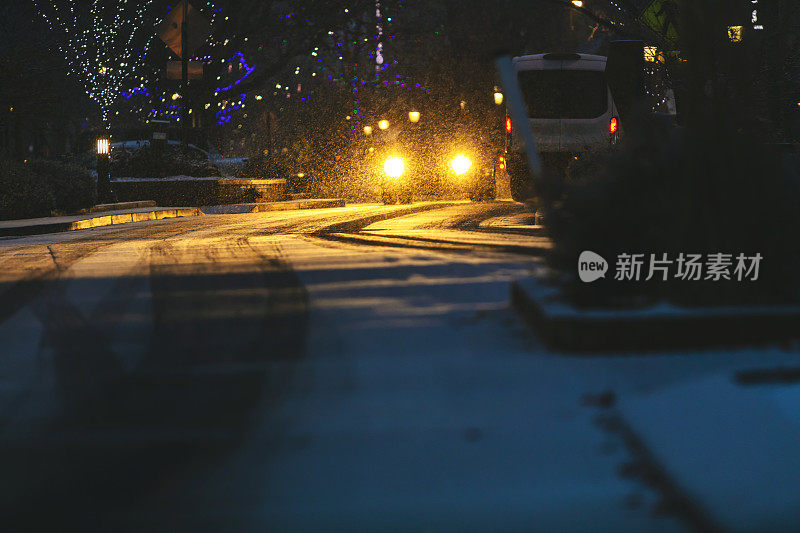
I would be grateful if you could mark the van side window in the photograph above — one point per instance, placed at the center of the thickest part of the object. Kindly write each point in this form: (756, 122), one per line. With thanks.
(576, 94)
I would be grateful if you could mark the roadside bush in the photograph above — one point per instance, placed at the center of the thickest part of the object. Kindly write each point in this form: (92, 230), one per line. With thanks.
(709, 190)
(145, 162)
(23, 194)
(40, 188)
(71, 187)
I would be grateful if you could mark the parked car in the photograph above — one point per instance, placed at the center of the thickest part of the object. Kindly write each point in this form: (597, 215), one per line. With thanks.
(570, 109)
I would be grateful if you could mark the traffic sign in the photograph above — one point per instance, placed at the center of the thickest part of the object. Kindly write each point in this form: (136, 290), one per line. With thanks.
(171, 30)
(662, 17)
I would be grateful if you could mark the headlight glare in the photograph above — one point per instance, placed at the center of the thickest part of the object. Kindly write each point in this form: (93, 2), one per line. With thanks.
(460, 164)
(394, 167)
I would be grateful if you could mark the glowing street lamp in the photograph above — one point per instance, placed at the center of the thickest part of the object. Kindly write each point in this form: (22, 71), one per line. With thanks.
(383, 124)
(413, 116)
(577, 3)
(394, 167)
(103, 169)
(498, 96)
(367, 130)
(103, 146)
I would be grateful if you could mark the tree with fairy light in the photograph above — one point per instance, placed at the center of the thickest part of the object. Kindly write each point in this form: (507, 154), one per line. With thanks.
(104, 43)
(112, 48)
(33, 88)
(292, 43)
(157, 91)
(306, 57)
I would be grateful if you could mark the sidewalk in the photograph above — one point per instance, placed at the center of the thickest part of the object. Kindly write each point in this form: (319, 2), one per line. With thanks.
(38, 226)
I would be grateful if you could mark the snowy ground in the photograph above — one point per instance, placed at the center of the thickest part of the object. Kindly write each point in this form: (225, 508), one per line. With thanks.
(240, 372)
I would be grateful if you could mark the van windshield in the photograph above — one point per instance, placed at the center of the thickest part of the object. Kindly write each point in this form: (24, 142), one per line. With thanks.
(564, 93)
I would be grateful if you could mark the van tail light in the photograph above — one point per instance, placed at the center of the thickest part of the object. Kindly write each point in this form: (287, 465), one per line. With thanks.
(613, 126)
(501, 162)
(508, 124)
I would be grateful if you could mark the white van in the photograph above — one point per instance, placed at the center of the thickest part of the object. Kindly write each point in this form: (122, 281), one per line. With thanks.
(571, 112)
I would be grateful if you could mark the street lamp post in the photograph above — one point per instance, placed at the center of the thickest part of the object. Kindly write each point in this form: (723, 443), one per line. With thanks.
(578, 4)
(498, 96)
(103, 169)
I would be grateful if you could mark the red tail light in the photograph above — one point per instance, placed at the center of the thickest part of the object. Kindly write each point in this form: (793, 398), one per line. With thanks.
(501, 162)
(508, 124)
(613, 126)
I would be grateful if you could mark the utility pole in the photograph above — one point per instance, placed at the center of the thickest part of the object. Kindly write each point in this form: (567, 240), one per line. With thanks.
(174, 31)
(269, 144)
(185, 74)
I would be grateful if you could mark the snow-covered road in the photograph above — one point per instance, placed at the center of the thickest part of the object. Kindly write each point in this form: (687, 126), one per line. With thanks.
(251, 373)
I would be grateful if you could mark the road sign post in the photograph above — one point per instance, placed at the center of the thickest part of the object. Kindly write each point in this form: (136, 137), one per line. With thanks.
(184, 29)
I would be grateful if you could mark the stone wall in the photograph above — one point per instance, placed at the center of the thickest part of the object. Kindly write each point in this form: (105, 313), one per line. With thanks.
(198, 192)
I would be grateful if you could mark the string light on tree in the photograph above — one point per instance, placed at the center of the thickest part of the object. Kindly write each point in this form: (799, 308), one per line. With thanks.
(103, 42)
(107, 45)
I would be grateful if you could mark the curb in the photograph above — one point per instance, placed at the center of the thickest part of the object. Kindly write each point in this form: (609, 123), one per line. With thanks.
(32, 227)
(634, 331)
